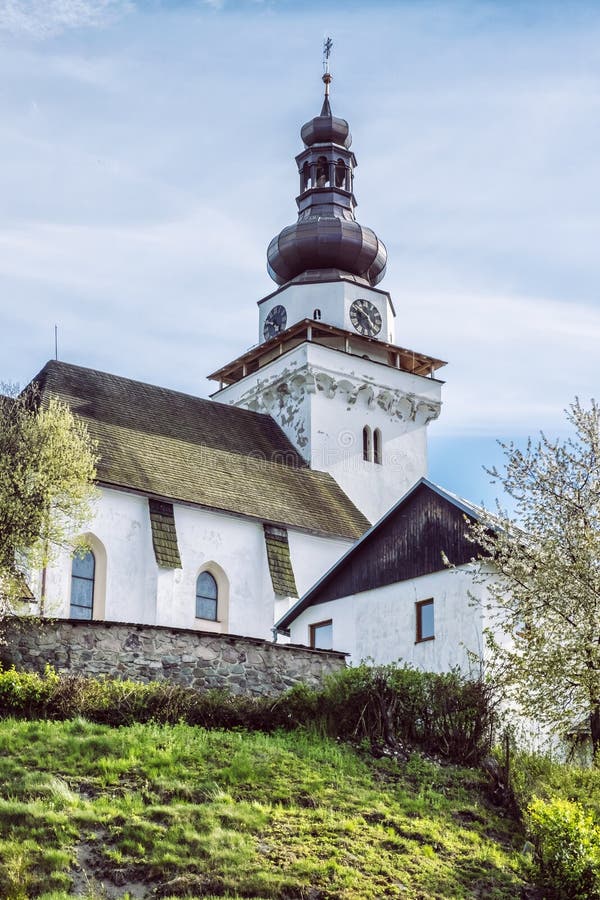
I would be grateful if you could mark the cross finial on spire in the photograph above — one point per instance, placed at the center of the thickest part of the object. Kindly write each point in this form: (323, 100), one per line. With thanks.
(327, 48)
(327, 76)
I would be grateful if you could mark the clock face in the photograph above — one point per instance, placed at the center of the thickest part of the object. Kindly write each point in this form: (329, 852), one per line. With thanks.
(365, 317)
(275, 322)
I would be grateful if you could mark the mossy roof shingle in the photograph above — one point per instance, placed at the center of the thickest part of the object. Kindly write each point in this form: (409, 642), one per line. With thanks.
(170, 445)
(280, 561)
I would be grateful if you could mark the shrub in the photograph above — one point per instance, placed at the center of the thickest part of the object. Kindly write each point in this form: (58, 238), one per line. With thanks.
(447, 715)
(567, 845)
(387, 706)
(27, 694)
(539, 775)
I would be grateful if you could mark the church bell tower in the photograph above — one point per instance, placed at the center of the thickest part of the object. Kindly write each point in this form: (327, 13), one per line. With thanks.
(327, 367)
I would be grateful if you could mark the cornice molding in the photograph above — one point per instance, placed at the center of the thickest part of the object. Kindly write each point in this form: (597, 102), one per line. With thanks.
(271, 395)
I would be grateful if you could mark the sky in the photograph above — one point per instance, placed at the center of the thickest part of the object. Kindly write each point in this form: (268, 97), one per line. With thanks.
(148, 158)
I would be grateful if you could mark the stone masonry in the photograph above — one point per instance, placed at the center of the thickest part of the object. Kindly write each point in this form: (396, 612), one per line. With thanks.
(197, 659)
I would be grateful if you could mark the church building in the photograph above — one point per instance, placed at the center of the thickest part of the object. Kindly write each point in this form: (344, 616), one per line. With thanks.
(219, 515)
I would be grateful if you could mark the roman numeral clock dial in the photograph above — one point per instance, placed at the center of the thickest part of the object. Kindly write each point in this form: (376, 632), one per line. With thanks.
(366, 318)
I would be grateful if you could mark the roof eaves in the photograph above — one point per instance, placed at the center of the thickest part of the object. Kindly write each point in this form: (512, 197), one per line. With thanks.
(191, 504)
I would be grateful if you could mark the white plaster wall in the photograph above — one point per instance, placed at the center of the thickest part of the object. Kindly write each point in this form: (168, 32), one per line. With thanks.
(122, 523)
(323, 398)
(312, 556)
(237, 547)
(336, 432)
(137, 590)
(381, 624)
(334, 299)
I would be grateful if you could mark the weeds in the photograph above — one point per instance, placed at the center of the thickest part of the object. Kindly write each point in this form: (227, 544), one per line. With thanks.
(189, 812)
(391, 708)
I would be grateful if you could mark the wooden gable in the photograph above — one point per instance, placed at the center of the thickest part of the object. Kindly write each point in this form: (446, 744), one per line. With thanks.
(409, 541)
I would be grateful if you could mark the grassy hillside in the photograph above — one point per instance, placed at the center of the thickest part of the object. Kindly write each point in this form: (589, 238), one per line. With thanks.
(176, 811)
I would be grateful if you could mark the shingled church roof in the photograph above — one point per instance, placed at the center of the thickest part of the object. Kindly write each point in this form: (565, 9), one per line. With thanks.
(173, 446)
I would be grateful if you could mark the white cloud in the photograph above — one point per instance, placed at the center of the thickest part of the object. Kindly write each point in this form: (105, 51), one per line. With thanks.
(146, 166)
(40, 19)
(515, 362)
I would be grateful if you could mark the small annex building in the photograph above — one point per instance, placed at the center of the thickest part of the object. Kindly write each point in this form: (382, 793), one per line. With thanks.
(393, 596)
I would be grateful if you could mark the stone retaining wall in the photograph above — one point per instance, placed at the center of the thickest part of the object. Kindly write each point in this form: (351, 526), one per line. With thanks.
(149, 652)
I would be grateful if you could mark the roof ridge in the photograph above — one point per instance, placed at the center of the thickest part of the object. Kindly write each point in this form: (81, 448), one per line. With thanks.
(61, 364)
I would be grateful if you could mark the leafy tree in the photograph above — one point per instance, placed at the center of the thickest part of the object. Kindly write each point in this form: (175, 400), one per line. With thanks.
(544, 609)
(47, 467)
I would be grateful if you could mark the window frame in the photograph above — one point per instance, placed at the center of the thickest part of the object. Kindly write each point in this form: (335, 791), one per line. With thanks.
(90, 580)
(377, 447)
(419, 606)
(206, 597)
(367, 435)
(312, 628)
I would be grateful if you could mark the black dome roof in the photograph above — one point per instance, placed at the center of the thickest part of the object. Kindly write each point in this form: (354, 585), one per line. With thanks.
(326, 129)
(326, 243)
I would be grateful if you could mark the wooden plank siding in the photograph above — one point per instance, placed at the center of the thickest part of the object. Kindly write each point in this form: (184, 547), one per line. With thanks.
(409, 544)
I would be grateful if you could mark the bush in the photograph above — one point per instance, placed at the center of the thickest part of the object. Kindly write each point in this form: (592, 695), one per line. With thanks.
(540, 776)
(567, 845)
(27, 694)
(387, 706)
(446, 715)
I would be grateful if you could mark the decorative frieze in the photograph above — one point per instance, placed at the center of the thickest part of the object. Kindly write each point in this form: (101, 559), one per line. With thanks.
(292, 386)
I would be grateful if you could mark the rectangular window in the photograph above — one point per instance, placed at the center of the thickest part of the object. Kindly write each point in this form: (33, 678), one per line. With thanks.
(321, 635)
(425, 627)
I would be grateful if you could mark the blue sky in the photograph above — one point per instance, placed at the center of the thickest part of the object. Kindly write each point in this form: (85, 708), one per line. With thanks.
(147, 160)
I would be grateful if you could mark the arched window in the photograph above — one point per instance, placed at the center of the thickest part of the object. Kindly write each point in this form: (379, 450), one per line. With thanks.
(317, 314)
(367, 448)
(207, 595)
(322, 172)
(340, 174)
(83, 574)
(377, 455)
(305, 176)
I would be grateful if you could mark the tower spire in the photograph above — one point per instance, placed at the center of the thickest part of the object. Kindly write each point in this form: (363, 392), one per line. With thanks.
(326, 240)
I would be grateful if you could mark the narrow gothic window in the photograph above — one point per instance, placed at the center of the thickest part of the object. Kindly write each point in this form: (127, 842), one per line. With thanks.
(377, 456)
(340, 174)
(367, 449)
(83, 571)
(206, 597)
(317, 314)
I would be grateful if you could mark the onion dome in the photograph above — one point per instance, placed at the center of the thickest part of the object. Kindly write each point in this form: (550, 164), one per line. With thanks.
(326, 236)
(326, 129)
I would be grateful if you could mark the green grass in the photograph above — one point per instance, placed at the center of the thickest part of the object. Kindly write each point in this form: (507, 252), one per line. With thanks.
(176, 811)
